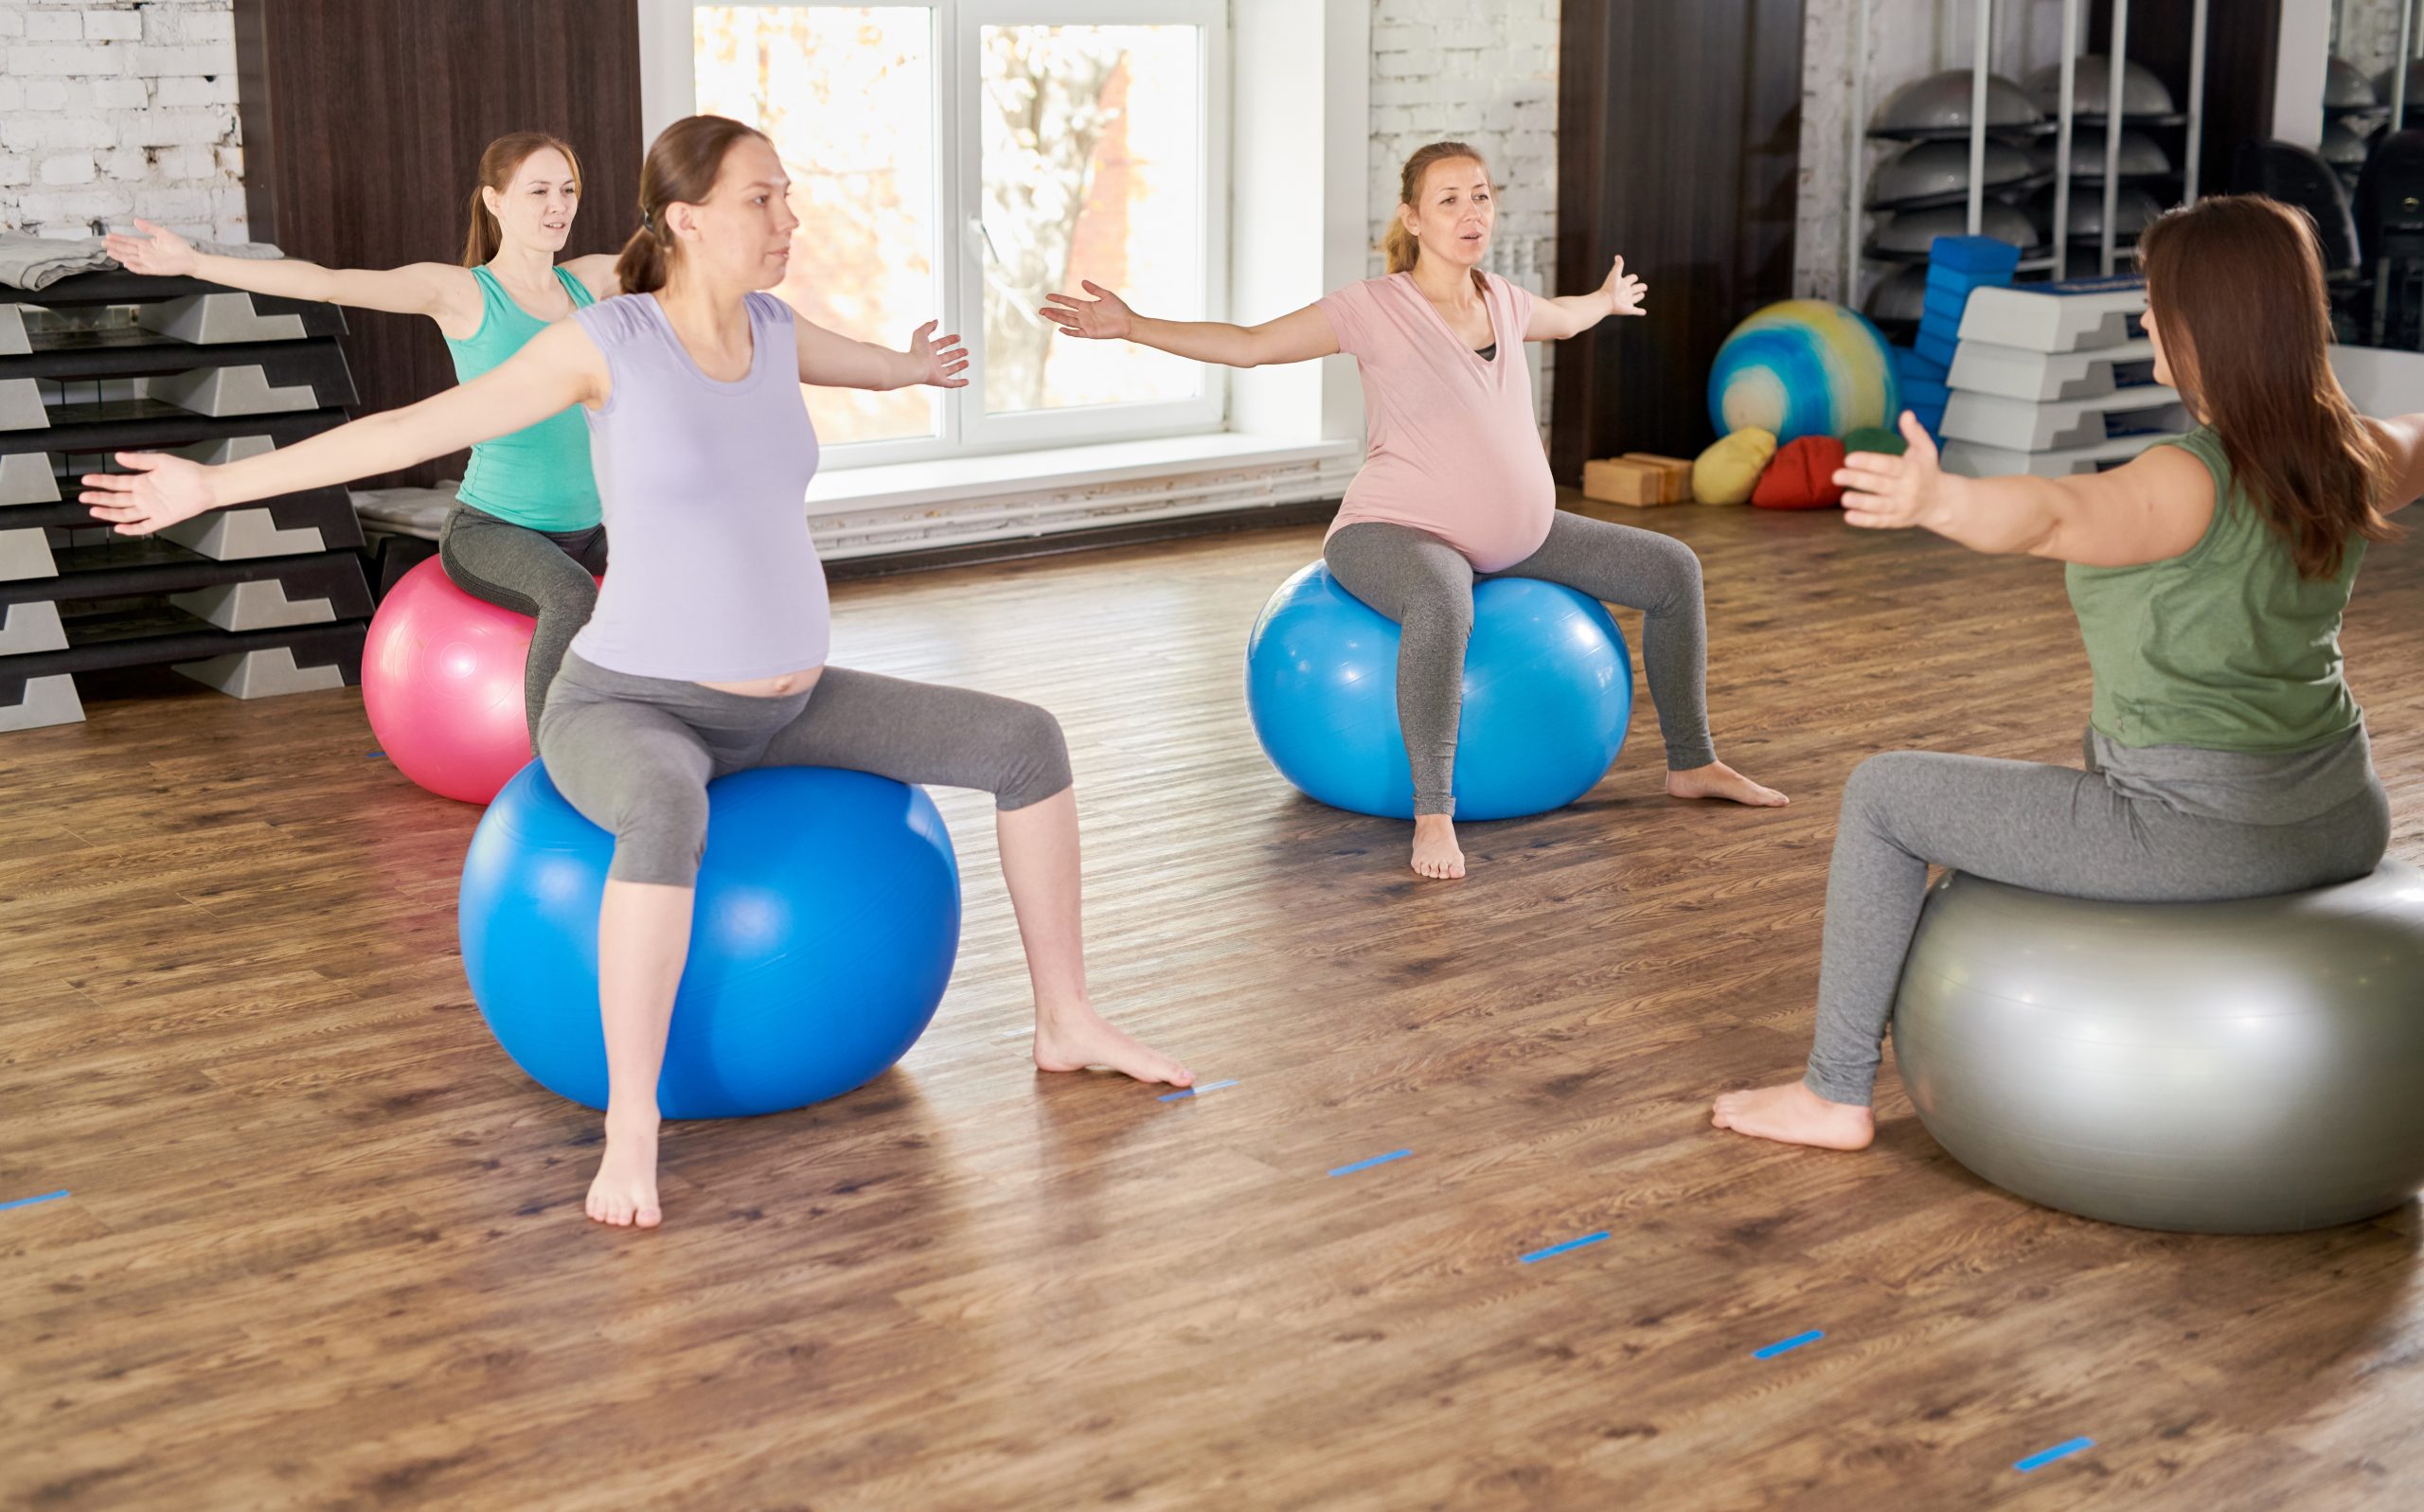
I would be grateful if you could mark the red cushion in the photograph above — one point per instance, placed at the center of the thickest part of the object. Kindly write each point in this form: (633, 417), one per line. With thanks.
(1802, 476)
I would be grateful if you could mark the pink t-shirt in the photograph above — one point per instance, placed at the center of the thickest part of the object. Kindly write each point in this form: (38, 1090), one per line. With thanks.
(1454, 447)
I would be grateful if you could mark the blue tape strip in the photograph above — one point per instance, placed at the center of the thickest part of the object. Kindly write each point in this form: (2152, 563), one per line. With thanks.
(28, 1202)
(1560, 1248)
(2047, 1456)
(1367, 1165)
(1784, 1346)
(374, 756)
(1189, 1091)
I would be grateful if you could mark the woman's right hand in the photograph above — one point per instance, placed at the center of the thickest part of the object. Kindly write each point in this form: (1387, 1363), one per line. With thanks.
(1105, 317)
(158, 489)
(158, 252)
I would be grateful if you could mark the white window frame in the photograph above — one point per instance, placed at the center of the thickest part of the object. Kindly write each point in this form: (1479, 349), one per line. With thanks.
(669, 92)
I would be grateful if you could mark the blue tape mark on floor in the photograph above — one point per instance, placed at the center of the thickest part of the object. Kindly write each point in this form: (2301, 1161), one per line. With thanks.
(1784, 1346)
(374, 756)
(1190, 1092)
(1367, 1165)
(28, 1202)
(1560, 1248)
(2047, 1456)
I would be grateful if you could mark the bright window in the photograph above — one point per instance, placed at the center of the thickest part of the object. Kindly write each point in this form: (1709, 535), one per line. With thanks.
(960, 159)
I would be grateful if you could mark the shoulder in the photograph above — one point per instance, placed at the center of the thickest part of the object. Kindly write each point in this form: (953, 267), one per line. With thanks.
(1363, 296)
(594, 272)
(618, 321)
(1504, 290)
(765, 311)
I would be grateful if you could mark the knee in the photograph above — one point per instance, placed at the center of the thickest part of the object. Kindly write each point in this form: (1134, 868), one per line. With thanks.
(1680, 569)
(1870, 789)
(1035, 756)
(1441, 612)
(661, 836)
(574, 594)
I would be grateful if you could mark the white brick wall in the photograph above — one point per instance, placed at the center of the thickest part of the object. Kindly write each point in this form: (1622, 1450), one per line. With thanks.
(1478, 71)
(110, 109)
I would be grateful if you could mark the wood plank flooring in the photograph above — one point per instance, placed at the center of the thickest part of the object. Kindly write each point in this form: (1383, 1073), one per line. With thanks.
(322, 1246)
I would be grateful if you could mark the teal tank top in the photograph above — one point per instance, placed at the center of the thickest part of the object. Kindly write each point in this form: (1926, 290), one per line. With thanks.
(538, 476)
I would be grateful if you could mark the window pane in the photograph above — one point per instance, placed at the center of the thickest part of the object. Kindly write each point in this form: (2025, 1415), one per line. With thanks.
(847, 94)
(1094, 162)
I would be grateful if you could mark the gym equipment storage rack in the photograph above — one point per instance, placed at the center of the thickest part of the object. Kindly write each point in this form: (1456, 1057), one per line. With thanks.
(256, 599)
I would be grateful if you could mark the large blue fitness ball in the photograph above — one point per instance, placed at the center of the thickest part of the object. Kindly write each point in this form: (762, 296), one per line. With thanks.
(824, 933)
(1548, 687)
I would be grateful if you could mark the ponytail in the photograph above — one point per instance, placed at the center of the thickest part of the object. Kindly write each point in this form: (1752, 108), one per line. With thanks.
(498, 161)
(640, 268)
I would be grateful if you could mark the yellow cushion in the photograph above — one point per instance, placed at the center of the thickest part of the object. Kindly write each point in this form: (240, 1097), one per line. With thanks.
(1726, 473)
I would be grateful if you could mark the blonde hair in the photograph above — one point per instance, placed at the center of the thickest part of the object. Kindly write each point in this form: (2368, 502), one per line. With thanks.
(1398, 243)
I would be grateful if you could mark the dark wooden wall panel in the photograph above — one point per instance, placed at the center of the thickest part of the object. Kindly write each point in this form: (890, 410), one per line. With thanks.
(2243, 47)
(1678, 140)
(364, 121)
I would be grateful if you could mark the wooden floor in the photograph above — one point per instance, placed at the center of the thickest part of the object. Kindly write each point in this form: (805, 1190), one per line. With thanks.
(322, 1246)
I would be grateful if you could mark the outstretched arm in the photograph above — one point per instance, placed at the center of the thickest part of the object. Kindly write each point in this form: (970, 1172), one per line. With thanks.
(1295, 337)
(560, 366)
(438, 290)
(1572, 315)
(596, 271)
(2151, 509)
(2402, 438)
(831, 359)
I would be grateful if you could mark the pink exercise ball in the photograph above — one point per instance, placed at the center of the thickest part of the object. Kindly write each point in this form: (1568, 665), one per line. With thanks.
(441, 681)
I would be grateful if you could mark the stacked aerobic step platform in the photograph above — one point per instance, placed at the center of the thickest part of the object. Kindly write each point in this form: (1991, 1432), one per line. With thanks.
(261, 598)
(2055, 378)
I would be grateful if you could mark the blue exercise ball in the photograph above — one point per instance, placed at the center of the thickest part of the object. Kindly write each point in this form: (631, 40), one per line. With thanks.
(1804, 367)
(1548, 689)
(821, 937)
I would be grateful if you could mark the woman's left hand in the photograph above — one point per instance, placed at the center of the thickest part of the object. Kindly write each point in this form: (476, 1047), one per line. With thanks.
(1624, 292)
(941, 360)
(1887, 493)
(157, 489)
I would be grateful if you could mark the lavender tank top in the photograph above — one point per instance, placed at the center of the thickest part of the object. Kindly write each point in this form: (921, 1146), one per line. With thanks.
(705, 483)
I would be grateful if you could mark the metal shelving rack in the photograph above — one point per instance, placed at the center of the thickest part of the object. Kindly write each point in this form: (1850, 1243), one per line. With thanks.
(2057, 260)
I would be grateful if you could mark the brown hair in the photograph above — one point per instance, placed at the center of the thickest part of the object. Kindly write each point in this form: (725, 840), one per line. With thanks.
(2235, 284)
(498, 162)
(681, 166)
(1398, 243)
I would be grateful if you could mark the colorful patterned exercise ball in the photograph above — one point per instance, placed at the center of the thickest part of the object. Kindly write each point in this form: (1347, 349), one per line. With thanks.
(1804, 367)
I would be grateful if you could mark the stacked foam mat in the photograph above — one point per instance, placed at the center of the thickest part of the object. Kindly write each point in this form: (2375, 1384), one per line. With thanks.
(1957, 267)
(261, 599)
(2055, 378)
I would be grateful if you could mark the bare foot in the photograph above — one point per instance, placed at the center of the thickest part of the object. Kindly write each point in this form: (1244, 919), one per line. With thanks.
(1717, 780)
(1077, 1039)
(624, 1193)
(1792, 1114)
(1435, 853)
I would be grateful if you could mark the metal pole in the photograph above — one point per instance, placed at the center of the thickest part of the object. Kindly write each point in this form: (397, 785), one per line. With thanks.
(1855, 212)
(2196, 102)
(2065, 114)
(2399, 69)
(1978, 118)
(2115, 56)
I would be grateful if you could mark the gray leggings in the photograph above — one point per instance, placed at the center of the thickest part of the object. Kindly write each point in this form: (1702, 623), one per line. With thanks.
(635, 755)
(550, 575)
(1426, 585)
(2054, 829)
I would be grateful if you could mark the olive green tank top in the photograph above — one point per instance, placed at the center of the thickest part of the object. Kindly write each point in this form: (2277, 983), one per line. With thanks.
(537, 476)
(2223, 647)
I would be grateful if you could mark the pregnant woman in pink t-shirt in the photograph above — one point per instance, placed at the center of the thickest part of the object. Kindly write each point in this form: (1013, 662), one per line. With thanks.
(1455, 486)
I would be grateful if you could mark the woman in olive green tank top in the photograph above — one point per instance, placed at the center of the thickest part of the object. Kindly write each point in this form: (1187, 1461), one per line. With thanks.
(2224, 755)
(526, 533)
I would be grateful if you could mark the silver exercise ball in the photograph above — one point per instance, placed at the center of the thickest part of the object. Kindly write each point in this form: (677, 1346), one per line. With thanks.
(2247, 1067)
(2142, 92)
(2345, 87)
(1915, 231)
(1939, 172)
(1940, 102)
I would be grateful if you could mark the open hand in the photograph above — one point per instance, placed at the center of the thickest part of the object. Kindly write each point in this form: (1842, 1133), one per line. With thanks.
(1624, 292)
(1884, 492)
(941, 359)
(156, 489)
(158, 251)
(1105, 317)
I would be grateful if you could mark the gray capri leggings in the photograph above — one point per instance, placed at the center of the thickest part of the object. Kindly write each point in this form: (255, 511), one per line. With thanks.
(1426, 585)
(2055, 829)
(550, 575)
(635, 755)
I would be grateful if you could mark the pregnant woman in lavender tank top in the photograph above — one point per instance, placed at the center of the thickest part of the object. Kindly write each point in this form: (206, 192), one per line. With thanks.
(707, 652)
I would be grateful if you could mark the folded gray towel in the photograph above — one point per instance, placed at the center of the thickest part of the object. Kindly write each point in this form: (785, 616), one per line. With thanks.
(35, 262)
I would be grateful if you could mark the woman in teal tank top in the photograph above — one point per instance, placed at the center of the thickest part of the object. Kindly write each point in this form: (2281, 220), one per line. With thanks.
(526, 533)
(2224, 755)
